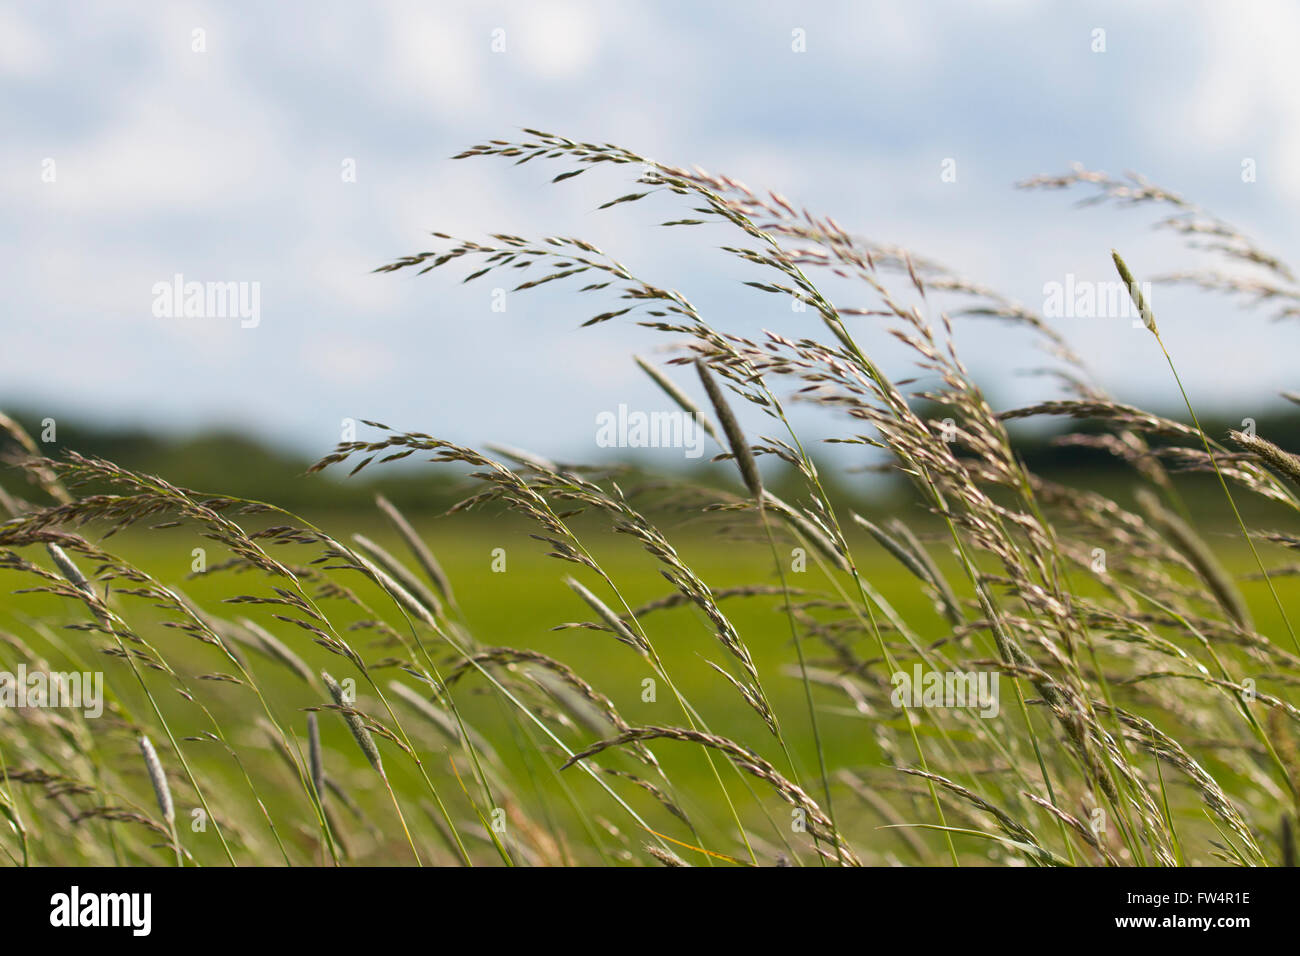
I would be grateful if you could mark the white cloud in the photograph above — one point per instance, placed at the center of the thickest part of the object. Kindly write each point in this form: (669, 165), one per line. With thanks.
(23, 52)
(558, 40)
(430, 59)
(1246, 92)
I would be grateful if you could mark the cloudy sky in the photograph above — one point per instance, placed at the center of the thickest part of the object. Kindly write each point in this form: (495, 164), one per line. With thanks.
(214, 140)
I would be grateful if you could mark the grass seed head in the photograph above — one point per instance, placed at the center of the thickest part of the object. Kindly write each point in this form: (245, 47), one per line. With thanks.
(355, 723)
(735, 437)
(1135, 292)
(314, 757)
(158, 778)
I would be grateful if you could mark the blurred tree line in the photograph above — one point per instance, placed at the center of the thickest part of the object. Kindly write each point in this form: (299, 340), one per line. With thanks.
(232, 463)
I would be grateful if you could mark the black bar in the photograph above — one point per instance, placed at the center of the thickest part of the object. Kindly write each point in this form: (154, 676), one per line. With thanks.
(366, 906)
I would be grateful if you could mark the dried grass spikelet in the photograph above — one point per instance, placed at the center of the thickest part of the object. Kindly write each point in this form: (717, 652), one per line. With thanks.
(277, 650)
(317, 764)
(907, 550)
(158, 778)
(399, 573)
(355, 723)
(621, 631)
(1135, 293)
(67, 567)
(679, 397)
(404, 598)
(44, 476)
(1191, 546)
(448, 725)
(666, 857)
(1280, 461)
(416, 544)
(740, 449)
(521, 456)
(815, 536)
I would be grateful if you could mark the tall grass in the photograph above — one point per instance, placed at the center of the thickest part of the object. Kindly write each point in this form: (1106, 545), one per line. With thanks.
(1144, 714)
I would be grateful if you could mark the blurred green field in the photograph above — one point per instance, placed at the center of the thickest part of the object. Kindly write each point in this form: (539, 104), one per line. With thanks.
(518, 608)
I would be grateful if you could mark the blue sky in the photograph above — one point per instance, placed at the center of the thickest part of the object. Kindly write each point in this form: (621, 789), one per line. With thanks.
(225, 165)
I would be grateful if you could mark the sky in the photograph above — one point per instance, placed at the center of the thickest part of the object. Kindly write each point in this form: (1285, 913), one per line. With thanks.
(294, 147)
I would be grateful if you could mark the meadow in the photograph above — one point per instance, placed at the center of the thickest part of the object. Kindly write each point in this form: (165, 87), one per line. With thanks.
(517, 607)
(585, 666)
